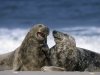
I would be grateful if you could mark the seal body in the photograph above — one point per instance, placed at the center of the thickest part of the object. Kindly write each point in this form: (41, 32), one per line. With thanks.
(65, 54)
(87, 60)
(32, 54)
(6, 61)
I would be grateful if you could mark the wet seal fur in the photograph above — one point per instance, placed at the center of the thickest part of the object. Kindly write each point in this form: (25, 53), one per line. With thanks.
(63, 54)
(31, 55)
(66, 55)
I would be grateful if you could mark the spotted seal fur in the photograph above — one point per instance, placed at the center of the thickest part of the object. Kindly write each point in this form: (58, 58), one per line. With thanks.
(65, 54)
(63, 51)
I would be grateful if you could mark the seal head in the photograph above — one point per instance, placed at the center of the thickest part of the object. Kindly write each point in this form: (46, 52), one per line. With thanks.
(40, 31)
(65, 39)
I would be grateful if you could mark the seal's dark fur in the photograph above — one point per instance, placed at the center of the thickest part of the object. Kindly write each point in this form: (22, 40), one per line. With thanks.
(65, 54)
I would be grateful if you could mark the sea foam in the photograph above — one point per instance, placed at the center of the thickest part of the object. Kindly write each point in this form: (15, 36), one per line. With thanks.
(86, 37)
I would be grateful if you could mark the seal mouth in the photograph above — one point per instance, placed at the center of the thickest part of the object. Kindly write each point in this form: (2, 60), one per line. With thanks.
(40, 34)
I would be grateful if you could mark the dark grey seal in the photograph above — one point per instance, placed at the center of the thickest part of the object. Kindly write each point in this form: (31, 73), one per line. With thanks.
(66, 55)
(63, 54)
(31, 55)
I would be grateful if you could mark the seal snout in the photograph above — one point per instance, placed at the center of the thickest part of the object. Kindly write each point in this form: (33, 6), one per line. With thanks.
(54, 32)
(57, 34)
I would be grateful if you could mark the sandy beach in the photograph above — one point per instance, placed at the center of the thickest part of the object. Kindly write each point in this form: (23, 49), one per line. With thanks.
(47, 73)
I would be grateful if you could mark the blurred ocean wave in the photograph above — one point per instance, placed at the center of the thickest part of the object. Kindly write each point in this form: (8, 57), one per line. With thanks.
(86, 37)
(80, 18)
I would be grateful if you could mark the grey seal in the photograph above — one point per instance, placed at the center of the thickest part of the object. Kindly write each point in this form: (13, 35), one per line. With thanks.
(31, 55)
(66, 55)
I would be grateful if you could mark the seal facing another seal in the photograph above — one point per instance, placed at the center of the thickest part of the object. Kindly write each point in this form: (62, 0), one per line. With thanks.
(65, 54)
(31, 55)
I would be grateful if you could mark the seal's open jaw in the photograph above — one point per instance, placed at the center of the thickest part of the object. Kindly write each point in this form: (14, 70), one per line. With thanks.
(41, 32)
(41, 35)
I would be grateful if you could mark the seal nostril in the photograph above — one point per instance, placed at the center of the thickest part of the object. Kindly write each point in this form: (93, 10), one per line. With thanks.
(54, 32)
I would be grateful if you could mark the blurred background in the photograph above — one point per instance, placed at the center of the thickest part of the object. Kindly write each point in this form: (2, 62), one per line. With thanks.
(79, 18)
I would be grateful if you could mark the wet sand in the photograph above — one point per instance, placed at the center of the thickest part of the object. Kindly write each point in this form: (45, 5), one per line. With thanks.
(47, 73)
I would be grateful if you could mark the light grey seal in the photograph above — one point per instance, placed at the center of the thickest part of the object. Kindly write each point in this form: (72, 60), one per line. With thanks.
(31, 55)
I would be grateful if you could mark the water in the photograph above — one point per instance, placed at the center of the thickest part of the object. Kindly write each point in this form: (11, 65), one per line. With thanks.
(86, 37)
(55, 13)
(79, 18)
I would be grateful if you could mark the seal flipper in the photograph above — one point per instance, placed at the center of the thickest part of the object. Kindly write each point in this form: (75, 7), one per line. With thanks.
(6, 61)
